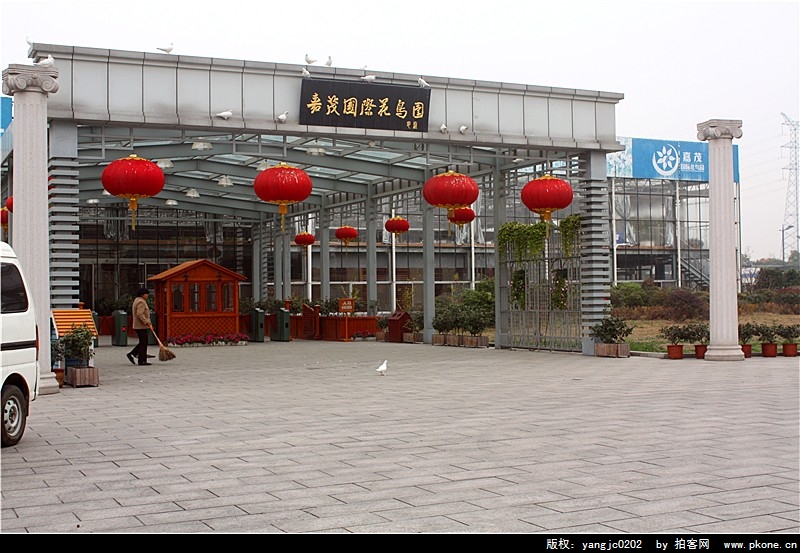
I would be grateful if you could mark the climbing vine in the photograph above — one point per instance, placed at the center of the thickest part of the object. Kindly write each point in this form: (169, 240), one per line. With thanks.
(570, 228)
(525, 241)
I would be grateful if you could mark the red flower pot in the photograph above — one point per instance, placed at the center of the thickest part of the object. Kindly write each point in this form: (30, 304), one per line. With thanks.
(700, 351)
(789, 350)
(674, 351)
(769, 350)
(747, 349)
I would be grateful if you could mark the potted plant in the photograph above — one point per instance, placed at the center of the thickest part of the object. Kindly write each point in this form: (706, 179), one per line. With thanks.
(747, 331)
(413, 327)
(383, 325)
(789, 334)
(56, 356)
(768, 336)
(475, 323)
(675, 335)
(612, 332)
(698, 333)
(78, 350)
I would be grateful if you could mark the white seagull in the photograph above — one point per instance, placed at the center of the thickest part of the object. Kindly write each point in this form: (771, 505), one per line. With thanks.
(309, 60)
(282, 117)
(166, 49)
(329, 61)
(443, 128)
(46, 62)
(422, 83)
(225, 114)
(383, 367)
(306, 74)
(28, 40)
(463, 129)
(368, 78)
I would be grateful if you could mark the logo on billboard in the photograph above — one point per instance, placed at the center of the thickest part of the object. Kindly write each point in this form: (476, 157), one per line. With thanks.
(666, 160)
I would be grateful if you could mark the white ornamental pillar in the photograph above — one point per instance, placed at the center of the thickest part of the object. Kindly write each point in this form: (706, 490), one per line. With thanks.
(30, 86)
(724, 323)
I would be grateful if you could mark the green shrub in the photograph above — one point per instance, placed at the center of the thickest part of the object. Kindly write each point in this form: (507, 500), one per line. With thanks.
(612, 330)
(767, 333)
(674, 334)
(789, 333)
(683, 304)
(698, 333)
(747, 331)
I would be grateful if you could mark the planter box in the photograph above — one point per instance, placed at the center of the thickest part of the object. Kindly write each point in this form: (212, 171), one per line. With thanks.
(81, 376)
(612, 350)
(438, 339)
(452, 339)
(476, 341)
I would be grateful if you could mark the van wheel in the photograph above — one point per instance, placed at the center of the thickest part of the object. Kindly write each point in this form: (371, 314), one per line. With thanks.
(15, 413)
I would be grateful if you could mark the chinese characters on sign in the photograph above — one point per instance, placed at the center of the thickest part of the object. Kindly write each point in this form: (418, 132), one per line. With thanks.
(329, 103)
(347, 305)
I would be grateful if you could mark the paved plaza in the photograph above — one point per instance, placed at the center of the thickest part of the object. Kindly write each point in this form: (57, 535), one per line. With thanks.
(306, 436)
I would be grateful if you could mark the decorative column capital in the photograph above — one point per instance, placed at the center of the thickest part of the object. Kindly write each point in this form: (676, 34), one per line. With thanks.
(29, 78)
(719, 128)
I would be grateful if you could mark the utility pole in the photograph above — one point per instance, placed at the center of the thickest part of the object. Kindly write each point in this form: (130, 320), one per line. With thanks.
(790, 218)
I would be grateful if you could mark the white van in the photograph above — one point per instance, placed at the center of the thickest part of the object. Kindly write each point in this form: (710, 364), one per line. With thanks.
(19, 349)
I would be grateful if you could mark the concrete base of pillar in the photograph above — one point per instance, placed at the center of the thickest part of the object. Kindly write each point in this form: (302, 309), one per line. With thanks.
(724, 353)
(48, 384)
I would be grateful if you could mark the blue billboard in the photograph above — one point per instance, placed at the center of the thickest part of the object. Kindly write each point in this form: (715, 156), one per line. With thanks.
(5, 113)
(646, 158)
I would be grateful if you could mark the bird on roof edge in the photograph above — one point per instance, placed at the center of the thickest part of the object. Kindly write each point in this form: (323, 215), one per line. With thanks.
(310, 60)
(165, 49)
(225, 114)
(368, 78)
(46, 62)
(423, 83)
(282, 117)
(305, 73)
(382, 369)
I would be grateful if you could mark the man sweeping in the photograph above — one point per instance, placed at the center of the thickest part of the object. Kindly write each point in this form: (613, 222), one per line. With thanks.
(141, 324)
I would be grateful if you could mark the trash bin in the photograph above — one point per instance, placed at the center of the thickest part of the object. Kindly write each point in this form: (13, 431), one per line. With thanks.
(120, 336)
(397, 323)
(280, 332)
(257, 325)
(151, 338)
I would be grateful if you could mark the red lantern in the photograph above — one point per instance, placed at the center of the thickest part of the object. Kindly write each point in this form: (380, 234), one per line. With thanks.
(545, 195)
(132, 178)
(450, 191)
(461, 216)
(397, 225)
(304, 239)
(10, 204)
(282, 185)
(346, 234)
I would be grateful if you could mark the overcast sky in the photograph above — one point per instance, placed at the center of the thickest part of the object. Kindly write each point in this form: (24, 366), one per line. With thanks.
(677, 63)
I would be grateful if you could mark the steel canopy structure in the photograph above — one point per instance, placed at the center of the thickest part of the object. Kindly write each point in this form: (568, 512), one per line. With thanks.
(162, 107)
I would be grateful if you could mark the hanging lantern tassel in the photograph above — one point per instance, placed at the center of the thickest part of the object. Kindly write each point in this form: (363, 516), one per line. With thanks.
(282, 210)
(133, 205)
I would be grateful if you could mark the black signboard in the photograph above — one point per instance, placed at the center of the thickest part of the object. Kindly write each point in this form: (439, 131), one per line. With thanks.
(364, 105)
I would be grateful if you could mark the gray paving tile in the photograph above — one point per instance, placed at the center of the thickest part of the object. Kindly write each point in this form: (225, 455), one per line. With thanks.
(453, 441)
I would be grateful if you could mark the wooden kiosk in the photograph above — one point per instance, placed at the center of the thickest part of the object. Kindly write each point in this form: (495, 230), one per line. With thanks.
(196, 297)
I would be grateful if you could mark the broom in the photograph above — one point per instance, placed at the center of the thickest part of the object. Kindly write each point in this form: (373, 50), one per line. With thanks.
(163, 353)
